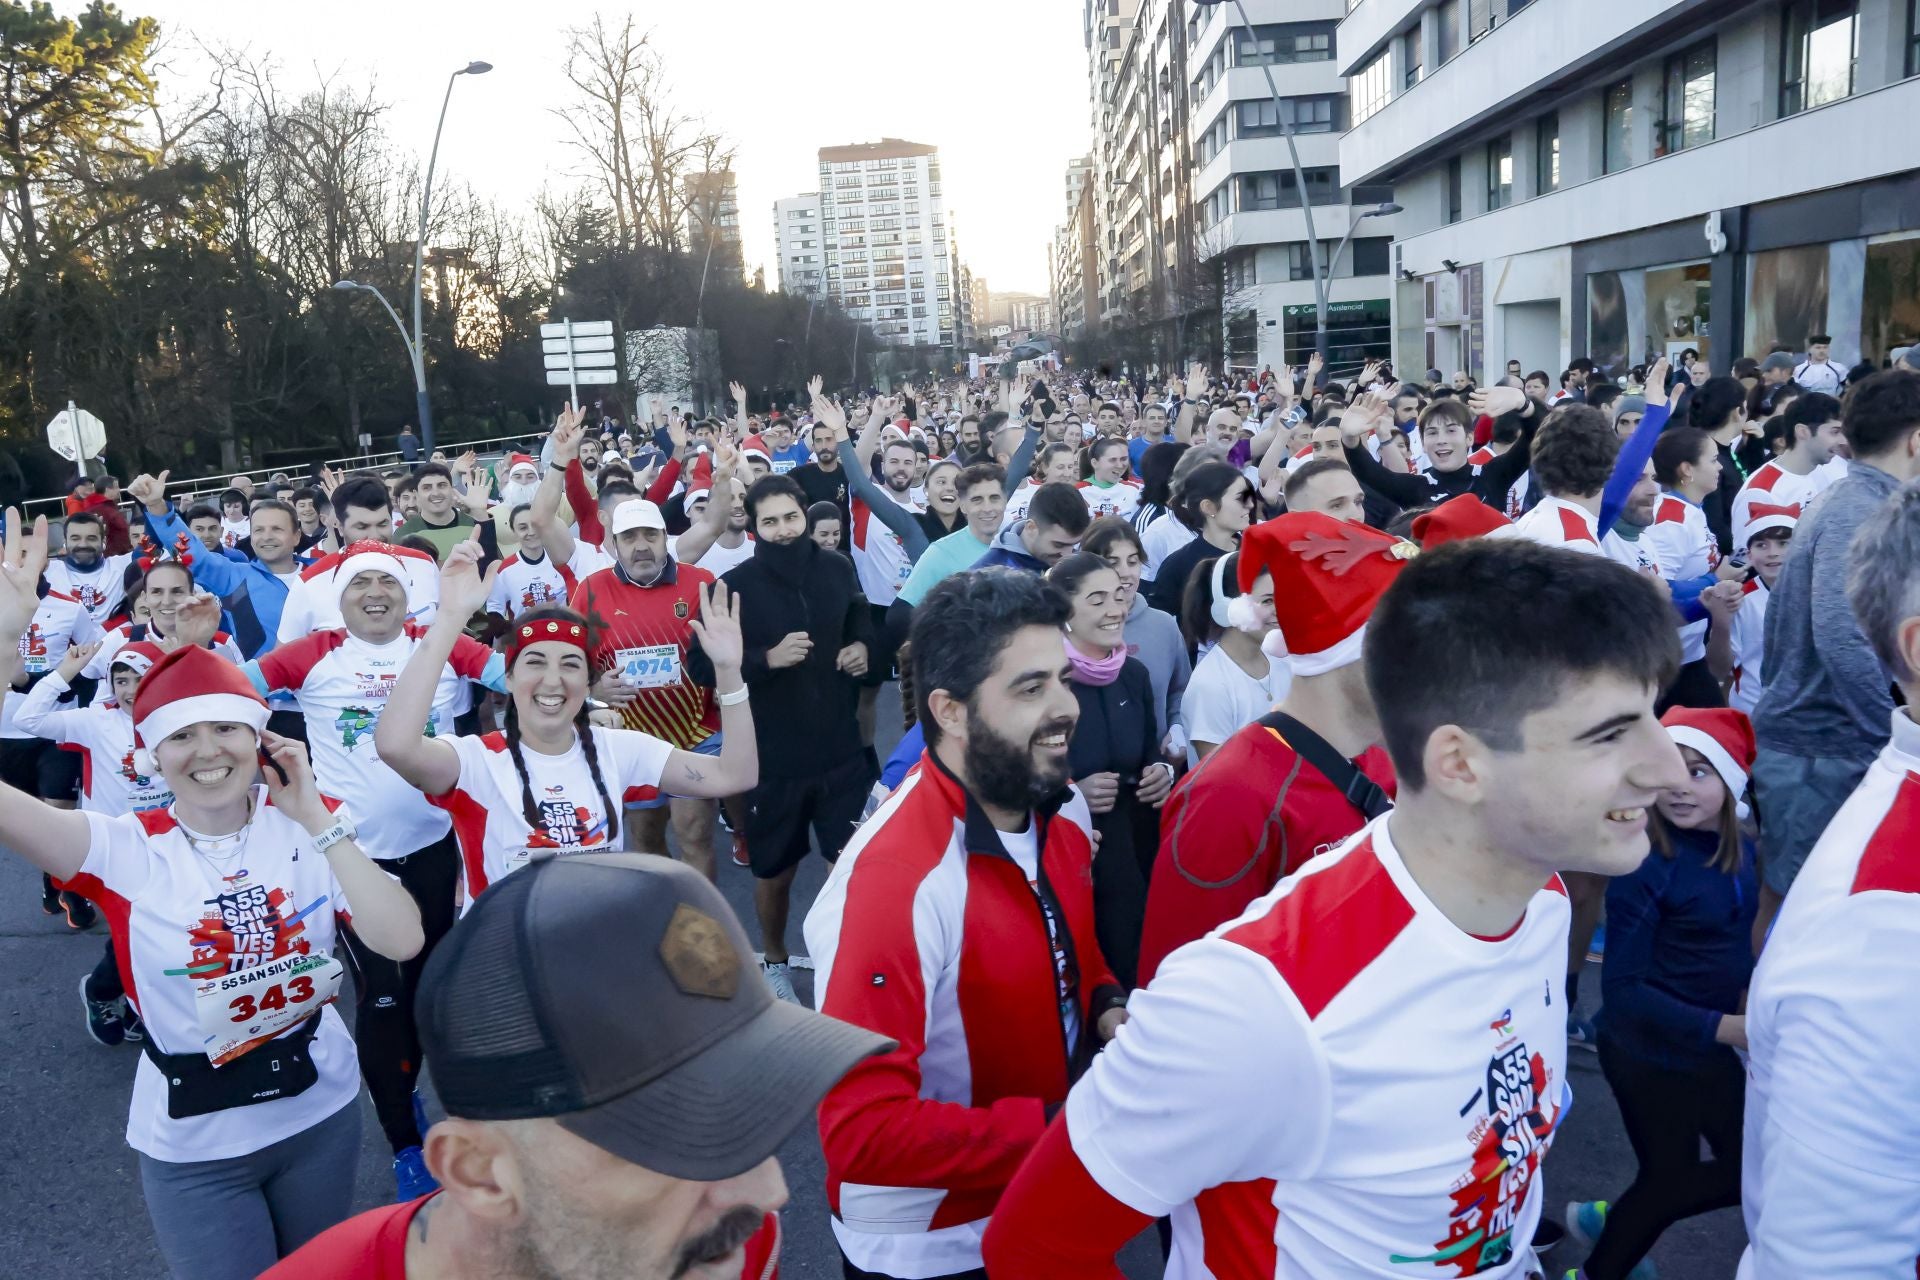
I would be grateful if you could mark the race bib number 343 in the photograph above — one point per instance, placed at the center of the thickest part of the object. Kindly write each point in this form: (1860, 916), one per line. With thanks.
(239, 1010)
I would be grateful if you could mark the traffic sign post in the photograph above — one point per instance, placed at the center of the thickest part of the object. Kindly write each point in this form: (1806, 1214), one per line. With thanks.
(77, 435)
(578, 353)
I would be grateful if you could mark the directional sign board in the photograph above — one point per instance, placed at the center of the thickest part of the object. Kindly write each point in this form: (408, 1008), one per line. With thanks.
(578, 351)
(75, 434)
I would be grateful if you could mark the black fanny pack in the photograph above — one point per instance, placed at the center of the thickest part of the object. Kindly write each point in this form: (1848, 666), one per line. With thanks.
(1362, 792)
(280, 1068)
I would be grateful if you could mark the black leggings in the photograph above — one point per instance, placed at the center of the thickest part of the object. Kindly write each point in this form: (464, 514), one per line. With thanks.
(103, 984)
(1667, 1112)
(383, 1030)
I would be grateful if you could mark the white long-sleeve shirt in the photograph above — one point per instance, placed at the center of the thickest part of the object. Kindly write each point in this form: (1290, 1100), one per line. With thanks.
(1831, 1163)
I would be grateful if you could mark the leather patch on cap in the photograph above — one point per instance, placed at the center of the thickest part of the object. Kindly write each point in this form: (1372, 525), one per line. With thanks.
(699, 956)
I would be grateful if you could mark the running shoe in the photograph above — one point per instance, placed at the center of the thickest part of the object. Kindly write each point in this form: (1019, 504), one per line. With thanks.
(780, 978)
(420, 1122)
(1585, 1220)
(740, 858)
(1580, 1035)
(80, 912)
(410, 1177)
(1597, 949)
(103, 1017)
(130, 1019)
(49, 897)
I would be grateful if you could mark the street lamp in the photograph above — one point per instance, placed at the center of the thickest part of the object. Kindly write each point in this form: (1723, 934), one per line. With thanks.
(1353, 225)
(1300, 183)
(413, 347)
(418, 345)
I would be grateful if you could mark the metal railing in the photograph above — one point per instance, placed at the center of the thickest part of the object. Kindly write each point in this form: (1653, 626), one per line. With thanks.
(185, 492)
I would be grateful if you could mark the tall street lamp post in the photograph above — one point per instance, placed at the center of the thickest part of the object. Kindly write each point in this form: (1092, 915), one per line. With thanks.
(417, 347)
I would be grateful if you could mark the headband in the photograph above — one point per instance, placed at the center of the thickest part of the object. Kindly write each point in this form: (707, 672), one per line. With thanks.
(539, 632)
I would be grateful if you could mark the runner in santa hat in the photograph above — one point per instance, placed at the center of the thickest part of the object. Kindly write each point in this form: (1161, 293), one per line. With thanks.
(222, 907)
(522, 481)
(1458, 519)
(109, 784)
(1360, 1076)
(1767, 535)
(1306, 775)
(550, 780)
(340, 680)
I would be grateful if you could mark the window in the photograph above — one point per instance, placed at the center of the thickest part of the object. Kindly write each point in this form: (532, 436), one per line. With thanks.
(1283, 42)
(1371, 88)
(1410, 54)
(1819, 45)
(1279, 191)
(1616, 140)
(1373, 256)
(1453, 191)
(1546, 153)
(1448, 16)
(1479, 18)
(1500, 172)
(1259, 118)
(1913, 38)
(1299, 266)
(1687, 99)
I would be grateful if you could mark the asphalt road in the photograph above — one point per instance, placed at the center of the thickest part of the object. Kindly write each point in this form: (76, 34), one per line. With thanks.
(70, 1185)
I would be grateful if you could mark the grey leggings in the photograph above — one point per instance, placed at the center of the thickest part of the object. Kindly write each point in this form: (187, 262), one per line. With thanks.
(232, 1219)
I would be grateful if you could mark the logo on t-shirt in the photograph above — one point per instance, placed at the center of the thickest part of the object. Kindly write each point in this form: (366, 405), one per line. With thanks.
(356, 724)
(131, 774)
(1508, 1143)
(566, 826)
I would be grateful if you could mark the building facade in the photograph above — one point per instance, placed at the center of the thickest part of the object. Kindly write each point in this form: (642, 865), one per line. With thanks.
(888, 260)
(713, 219)
(1638, 178)
(1204, 240)
(799, 245)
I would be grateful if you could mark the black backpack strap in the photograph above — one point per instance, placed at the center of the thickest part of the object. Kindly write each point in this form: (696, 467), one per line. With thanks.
(1362, 792)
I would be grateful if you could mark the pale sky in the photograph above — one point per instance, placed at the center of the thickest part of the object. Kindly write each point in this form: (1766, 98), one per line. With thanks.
(1000, 86)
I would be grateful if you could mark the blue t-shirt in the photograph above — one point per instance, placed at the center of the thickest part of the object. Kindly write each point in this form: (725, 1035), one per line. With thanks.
(794, 455)
(1136, 449)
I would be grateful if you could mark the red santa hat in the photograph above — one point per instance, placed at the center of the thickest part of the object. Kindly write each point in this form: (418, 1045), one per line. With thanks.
(137, 656)
(515, 461)
(1724, 737)
(1327, 576)
(362, 557)
(186, 687)
(1458, 519)
(1762, 516)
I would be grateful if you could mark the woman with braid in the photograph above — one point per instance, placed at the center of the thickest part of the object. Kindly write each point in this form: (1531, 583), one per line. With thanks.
(550, 781)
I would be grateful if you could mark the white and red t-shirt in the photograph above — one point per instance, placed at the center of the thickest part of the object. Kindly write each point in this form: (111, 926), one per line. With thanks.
(1120, 499)
(1686, 549)
(58, 624)
(342, 684)
(183, 930)
(1774, 485)
(101, 590)
(486, 802)
(1555, 522)
(879, 556)
(313, 598)
(1749, 640)
(1829, 1181)
(1338, 1084)
(525, 584)
(110, 784)
(1516, 499)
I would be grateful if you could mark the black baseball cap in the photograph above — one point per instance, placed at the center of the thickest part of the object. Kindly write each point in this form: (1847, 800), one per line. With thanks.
(616, 993)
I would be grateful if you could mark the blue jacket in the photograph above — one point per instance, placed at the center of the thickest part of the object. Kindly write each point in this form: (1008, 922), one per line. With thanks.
(252, 594)
(1679, 952)
(1008, 552)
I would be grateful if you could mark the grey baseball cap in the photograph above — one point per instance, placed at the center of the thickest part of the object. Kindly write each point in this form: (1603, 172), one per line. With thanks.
(617, 994)
(1778, 360)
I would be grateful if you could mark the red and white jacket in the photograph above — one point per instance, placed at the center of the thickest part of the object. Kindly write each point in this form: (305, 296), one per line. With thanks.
(1339, 1084)
(987, 975)
(1830, 1183)
(1686, 550)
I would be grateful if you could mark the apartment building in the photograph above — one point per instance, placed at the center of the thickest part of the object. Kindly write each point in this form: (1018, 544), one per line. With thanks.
(713, 218)
(1637, 178)
(888, 260)
(799, 245)
(1074, 268)
(1199, 217)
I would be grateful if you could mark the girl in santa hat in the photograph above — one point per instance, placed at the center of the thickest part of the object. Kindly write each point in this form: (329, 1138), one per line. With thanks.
(550, 781)
(1679, 958)
(222, 908)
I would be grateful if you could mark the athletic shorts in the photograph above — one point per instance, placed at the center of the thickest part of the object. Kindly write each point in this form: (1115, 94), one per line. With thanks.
(783, 812)
(711, 747)
(40, 768)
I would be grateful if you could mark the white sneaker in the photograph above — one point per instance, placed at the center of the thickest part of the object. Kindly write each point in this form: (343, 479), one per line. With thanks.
(780, 978)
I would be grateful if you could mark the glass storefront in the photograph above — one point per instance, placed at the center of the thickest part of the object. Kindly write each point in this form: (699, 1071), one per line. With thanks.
(1890, 300)
(1786, 297)
(1638, 315)
(1356, 333)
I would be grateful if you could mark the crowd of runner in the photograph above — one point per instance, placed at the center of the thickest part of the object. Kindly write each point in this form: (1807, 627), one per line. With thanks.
(1279, 747)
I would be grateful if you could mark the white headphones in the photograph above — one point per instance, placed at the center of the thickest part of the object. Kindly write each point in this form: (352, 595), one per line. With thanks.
(1221, 580)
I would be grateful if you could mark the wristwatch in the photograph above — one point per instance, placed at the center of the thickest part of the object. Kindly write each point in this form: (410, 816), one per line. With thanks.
(342, 829)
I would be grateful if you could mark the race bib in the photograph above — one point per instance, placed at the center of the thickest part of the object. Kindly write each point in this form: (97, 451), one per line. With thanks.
(653, 666)
(240, 1010)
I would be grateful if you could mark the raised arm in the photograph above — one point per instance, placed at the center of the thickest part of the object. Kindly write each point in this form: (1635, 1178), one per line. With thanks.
(545, 513)
(896, 518)
(1632, 460)
(737, 769)
(703, 533)
(54, 840)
